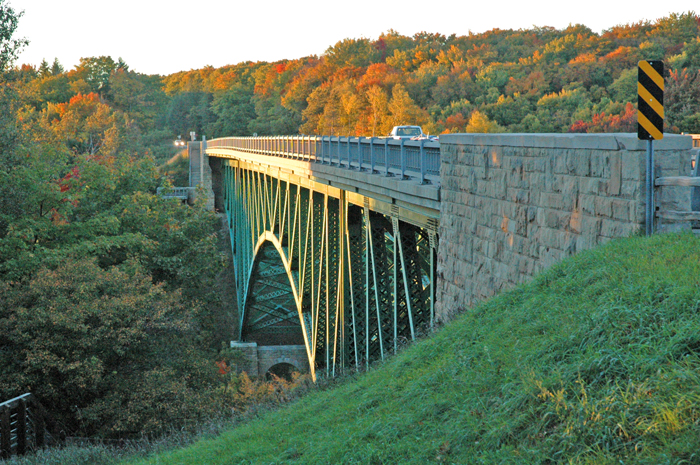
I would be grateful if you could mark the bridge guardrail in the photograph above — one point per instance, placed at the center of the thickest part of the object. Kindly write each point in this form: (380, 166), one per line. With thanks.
(692, 181)
(181, 193)
(418, 159)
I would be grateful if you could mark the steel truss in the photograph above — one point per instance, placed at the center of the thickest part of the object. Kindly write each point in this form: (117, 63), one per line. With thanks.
(349, 277)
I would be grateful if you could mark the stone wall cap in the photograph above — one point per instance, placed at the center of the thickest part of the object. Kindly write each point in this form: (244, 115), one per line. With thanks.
(610, 141)
(239, 344)
(282, 347)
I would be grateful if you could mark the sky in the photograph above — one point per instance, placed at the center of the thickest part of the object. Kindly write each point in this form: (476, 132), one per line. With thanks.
(167, 36)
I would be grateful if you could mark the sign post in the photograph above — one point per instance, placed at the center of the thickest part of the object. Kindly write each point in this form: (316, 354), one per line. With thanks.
(650, 123)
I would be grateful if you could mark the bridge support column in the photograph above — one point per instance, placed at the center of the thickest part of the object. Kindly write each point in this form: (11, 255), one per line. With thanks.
(200, 171)
(250, 357)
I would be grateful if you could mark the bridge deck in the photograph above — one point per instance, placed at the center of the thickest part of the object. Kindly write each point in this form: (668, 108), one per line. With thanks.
(404, 174)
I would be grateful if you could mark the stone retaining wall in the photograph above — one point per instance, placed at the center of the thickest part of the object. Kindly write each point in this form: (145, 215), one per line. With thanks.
(514, 204)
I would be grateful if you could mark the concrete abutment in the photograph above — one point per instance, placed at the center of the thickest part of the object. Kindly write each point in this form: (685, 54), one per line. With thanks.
(257, 360)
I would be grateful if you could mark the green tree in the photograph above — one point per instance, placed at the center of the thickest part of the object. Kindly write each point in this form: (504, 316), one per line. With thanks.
(624, 89)
(189, 111)
(109, 351)
(56, 67)
(44, 69)
(682, 101)
(95, 71)
(234, 110)
(9, 47)
(139, 96)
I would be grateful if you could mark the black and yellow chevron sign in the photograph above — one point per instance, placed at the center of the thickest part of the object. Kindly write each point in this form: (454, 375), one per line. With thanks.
(650, 100)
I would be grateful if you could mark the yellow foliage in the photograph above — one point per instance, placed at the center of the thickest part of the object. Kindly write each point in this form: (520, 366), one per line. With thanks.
(481, 123)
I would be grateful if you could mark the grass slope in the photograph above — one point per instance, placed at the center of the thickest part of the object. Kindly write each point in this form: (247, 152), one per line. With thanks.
(595, 361)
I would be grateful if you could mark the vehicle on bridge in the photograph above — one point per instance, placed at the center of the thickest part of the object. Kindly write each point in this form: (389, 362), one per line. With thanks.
(410, 133)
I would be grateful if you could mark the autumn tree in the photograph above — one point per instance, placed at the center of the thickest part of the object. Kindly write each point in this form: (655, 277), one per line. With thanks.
(378, 110)
(403, 109)
(87, 125)
(352, 52)
(478, 122)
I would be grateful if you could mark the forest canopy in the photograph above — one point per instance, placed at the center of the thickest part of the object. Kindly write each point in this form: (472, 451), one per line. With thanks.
(534, 80)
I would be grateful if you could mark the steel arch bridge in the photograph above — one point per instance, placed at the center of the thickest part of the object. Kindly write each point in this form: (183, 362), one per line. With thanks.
(347, 274)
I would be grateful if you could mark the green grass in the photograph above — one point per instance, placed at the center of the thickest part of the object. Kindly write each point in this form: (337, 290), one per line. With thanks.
(596, 361)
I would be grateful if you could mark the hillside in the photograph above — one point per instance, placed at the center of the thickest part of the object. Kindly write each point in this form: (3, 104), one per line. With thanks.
(595, 361)
(530, 80)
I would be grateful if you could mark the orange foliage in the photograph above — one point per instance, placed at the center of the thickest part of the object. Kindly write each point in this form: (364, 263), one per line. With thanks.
(622, 57)
(224, 81)
(223, 367)
(626, 121)
(80, 103)
(378, 74)
(583, 58)
(456, 123)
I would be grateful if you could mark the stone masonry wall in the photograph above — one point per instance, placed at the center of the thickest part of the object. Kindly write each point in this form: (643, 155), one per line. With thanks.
(257, 360)
(269, 356)
(514, 204)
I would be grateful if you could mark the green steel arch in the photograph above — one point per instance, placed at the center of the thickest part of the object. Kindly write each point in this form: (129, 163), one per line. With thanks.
(348, 276)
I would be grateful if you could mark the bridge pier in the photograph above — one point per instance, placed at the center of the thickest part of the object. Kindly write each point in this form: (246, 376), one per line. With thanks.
(200, 171)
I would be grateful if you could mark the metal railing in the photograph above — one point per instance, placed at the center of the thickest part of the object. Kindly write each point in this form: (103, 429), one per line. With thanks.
(23, 423)
(182, 193)
(408, 159)
(692, 181)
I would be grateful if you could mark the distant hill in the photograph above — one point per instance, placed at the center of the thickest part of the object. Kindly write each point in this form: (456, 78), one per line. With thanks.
(533, 80)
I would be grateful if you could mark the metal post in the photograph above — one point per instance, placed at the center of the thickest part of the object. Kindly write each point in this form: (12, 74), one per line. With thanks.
(386, 156)
(398, 245)
(422, 161)
(371, 154)
(339, 155)
(650, 189)
(368, 268)
(403, 159)
(201, 165)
